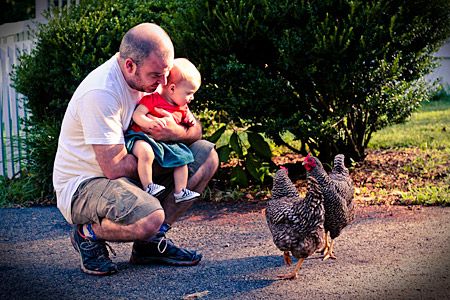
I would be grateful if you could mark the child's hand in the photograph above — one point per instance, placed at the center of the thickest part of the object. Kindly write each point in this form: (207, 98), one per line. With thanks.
(190, 119)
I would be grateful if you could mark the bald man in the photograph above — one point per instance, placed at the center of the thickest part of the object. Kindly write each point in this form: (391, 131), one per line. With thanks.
(95, 179)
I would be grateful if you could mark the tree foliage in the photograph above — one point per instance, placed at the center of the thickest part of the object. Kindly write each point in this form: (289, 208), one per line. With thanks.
(15, 11)
(73, 43)
(330, 72)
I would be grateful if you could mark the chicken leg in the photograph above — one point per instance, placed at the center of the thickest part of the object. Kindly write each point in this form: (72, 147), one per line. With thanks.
(326, 245)
(287, 258)
(293, 274)
(328, 251)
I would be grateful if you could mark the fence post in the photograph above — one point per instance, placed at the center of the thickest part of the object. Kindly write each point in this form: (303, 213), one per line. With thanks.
(2, 106)
(8, 150)
(41, 6)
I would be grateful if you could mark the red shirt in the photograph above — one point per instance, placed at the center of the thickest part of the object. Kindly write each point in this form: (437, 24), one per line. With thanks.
(156, 100)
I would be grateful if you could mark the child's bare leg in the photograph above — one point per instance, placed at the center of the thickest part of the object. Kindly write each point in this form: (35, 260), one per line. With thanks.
(145, 156)
(180, 177)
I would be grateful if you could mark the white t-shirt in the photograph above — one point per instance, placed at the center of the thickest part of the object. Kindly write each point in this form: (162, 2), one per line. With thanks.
(99, 112)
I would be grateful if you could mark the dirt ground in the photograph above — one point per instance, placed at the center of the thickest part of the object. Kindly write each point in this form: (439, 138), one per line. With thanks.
(388, 252)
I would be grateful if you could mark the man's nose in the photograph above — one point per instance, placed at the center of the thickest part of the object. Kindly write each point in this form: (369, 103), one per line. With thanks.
(163, 79)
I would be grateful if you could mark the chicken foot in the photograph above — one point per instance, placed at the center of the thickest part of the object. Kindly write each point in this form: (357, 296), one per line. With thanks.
(293, 274)
(287, 258)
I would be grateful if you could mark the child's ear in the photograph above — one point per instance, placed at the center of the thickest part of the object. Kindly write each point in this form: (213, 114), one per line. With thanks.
(172, 87)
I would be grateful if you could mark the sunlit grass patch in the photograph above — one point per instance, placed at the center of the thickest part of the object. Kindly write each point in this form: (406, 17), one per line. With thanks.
(428, 129)
(428, 195)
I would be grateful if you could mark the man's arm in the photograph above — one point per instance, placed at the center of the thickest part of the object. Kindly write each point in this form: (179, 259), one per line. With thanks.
(115, 162)
(174, 132)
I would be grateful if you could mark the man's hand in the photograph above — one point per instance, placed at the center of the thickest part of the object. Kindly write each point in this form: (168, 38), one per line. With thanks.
(158, 122)
(169, 132)
(172, 131)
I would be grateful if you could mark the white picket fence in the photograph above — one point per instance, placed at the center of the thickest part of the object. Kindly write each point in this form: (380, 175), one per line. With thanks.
(16, 38)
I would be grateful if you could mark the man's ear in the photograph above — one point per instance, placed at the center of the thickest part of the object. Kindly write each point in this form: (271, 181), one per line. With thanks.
(130, 66)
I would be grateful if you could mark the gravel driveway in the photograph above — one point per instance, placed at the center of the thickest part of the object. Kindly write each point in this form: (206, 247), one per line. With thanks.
(388, 252)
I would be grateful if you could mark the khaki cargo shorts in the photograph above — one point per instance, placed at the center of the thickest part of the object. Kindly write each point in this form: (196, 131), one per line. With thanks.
(123, 200)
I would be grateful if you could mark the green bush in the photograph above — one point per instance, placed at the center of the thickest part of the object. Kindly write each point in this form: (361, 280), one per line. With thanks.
(249, 153)
(330, 72)
(73, 43)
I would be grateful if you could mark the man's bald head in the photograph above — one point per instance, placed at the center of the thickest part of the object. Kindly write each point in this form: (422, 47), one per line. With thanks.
(142, 40)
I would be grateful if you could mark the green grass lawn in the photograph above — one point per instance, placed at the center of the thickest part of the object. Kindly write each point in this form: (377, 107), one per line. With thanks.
(429, 132)
(428, 128)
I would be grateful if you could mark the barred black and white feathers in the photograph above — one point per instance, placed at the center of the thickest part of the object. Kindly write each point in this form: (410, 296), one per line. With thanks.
(337, 189)
(344, 184)
(296, 224)
(283, 186)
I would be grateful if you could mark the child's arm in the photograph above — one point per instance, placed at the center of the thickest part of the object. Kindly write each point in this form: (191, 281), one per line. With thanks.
(140, 118)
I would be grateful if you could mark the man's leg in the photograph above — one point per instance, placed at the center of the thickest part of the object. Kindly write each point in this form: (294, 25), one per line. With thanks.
(141, 230)
(111, 210)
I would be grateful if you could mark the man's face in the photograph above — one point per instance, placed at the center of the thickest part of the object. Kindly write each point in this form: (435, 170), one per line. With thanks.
(150, 74)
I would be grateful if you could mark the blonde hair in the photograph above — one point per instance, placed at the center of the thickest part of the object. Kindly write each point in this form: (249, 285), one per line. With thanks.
(183, 70)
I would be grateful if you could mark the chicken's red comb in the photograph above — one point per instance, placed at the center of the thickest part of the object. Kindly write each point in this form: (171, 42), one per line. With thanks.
(307, 156)
(284, 168)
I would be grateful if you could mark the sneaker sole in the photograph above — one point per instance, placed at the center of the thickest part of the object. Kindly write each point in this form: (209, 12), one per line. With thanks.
(160, 260)
(90, 272)
(188, 200)
(158, 193)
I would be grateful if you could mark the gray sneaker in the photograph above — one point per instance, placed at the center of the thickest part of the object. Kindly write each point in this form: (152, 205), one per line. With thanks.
(94, 255)
(186, 196)
(155, 189)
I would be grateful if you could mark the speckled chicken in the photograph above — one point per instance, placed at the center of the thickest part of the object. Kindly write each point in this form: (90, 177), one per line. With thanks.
(337, 189)
(296, 224)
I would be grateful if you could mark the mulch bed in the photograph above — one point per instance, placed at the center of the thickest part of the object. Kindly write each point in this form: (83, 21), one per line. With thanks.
(380, 179)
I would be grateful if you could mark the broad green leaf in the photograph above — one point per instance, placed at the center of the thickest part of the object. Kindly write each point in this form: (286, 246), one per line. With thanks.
(224, 153)
(259, 145)
(234, 143)
(252, 166)
(238, 177)
(216, 135)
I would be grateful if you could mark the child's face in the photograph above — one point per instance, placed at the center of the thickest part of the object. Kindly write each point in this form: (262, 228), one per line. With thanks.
(183, 92)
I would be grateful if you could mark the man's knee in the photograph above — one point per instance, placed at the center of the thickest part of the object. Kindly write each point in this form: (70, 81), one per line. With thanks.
(205, 156)
(149, 225)
(212, 162)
